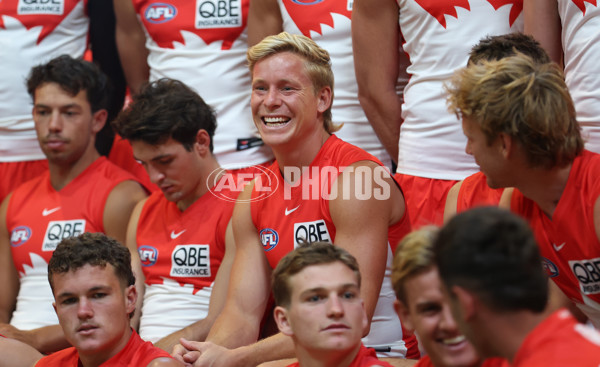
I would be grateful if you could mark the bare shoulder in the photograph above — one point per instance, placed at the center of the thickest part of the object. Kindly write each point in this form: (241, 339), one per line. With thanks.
(400, 362)
(164, 362)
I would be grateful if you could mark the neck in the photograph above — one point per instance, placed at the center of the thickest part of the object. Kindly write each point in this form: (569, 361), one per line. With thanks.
(300, 155)
(545, 186)
(326, 358)
(208, 166)
(509, 330)
(61, 173)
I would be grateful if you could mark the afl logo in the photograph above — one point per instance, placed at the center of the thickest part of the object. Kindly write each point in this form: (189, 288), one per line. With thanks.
(148, 255)
(307, 2)
(269, 239)
(160, 12)
(550, 268)
(19, 236)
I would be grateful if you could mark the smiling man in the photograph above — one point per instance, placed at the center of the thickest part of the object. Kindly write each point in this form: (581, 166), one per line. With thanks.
(95, 296)
(326, 190)
(81, 192)
(423, 307)
(494, 280)
(317, 296)
(181, 233)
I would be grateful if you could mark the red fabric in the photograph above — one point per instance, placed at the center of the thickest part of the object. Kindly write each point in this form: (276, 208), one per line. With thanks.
(137, 353)
(16, 173)
(474, 191)
(425, 199)
(490, 362)
(560, 341)
(162, 228)
(35, 208)
(269, 214)
(568, 240)
(365, 357)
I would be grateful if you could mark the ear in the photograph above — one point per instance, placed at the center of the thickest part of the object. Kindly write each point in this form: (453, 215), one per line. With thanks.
(202, 144)
(99, 120)
(365, 319)
(403, 315)
(130, 298)
(506, 145)
(325, 99)
(283, 324)
(466, 302)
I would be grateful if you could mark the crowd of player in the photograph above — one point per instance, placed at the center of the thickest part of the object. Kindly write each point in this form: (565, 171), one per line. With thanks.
(243, 209)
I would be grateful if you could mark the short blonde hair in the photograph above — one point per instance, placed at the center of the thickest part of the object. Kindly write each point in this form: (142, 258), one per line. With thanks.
(316, 62)
(528, 101)
(414, 256)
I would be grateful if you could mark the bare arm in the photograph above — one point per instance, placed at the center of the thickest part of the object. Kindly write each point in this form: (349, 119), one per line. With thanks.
(249, 284)
(543, 23)
(136, 263)
(131, 43)
(238, 324)
(362, 225)
(264, 19)
(15, 353)
(199, 330)
(506, 198)
(375, 43)
(118, 208)
(9, 286)
(451, 201)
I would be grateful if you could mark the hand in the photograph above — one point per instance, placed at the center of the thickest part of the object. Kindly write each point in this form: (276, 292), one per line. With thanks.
(207, 354)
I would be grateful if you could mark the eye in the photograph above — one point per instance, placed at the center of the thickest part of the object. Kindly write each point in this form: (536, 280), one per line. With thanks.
(98, 295)
(314, 298)
(68, 301)
(165, 161)
(349, 295)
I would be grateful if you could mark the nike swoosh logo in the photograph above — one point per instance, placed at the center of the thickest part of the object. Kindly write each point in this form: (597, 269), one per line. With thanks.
(559, 247)
(175, 235)
(47, 212)
(288, 212)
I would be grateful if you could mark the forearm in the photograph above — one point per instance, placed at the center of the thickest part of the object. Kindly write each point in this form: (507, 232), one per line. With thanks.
(273, 348)
(197, 331)
(46, 339)
(384, 114)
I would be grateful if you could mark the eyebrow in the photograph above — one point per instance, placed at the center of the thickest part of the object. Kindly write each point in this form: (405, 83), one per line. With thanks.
(93, 289)
(61, 106)
(346, 286)
(157, 158)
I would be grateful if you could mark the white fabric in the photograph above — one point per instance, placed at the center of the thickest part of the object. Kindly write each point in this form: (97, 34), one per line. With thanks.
(346, 108)
(162, 318)
(581, 46)
(19, 52)
(432, 144)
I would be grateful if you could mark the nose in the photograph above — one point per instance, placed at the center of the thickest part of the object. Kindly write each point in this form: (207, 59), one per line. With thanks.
(156, 176)
(55, 124)
(84, 309)
(468, 148)
(335, 307)
(447, 322)
(272, 98)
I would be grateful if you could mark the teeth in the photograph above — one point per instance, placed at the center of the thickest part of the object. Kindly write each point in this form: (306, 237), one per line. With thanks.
(275, 121)
(455, 340)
